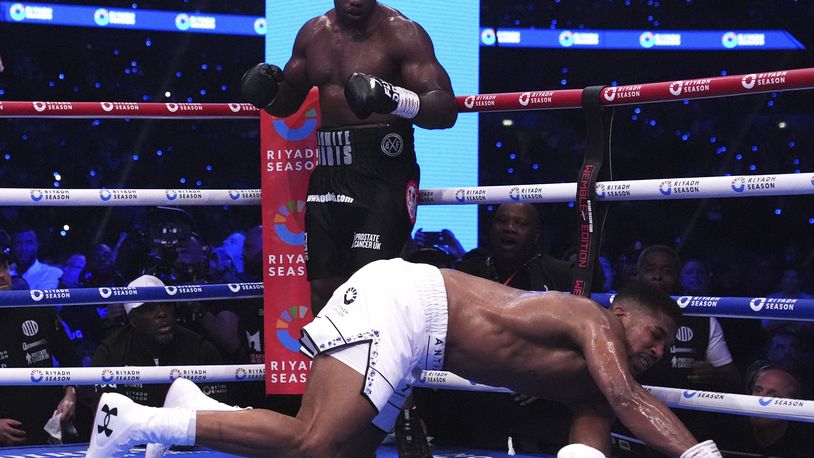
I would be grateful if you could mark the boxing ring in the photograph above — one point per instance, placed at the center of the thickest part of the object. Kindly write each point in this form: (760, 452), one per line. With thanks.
(584, 192)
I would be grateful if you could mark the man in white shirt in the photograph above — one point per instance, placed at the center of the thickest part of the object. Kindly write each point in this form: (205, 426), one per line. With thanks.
(24, 245)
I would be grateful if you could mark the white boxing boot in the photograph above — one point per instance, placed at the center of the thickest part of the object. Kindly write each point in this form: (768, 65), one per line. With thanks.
(185, 394)
(120, 424)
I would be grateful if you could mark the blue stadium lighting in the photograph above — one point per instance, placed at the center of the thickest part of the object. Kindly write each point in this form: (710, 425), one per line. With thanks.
(159, 153)
(563, 82)
(133, 63)
(738, 156)
(177, 74)
(223, 88)
(614, 83)
(752, 167)
(499, 145)
(56, 184)
(115, 52)
(713, 139)
(209, 168)
(685, 102)
(148, 43)
(565, 70)
(189, 99)
(811, 221)
(198, 183)
(57, 176)
(637, 110)
(770, 103)
(204, 67)
(203, 91)
(634, 117)
(96, 123)
(98, 85)
(723, 73)
(685, 137)
(754, 148)
(219, 68)
(183, 180)
(792, 144)
(126, 71)
(796, 162)
(93, 173)
(25, 137)
(2, 92)
(510, 170)
(512, 156)
(63, 233)
(51, 84)
(62, 76)
(145, 97)
(7, 156)
(535, 166)
(135, 157)
(570, 205)
(778, 211)
(652, 122)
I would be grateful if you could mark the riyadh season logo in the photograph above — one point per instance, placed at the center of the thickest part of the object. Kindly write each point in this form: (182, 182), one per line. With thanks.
(469, 102)
(683, 301)
(234, 194)
(260, 26)
(107, 106)
(757, 303)
(610, 94)
(748, 81)
(600, 190)
(566, 38)
(460, 195)
(171, 107)
(730, 40)
(174, 373)
(182, 21)
(647, 40)
(17, 11)
(689, 394)
(514, 194)
(101, 16)
(105, 195)
(171, 290)
(37, 295)
(738, 184)
(234, 287)
(105, 292)
(524, 99)
(171, 194)
(39, 107)
(488, 37)
(107, 375)
(666, 187)
(240, 373)
(295, 134)
(37, 376)
(36, 195)
(676, 87)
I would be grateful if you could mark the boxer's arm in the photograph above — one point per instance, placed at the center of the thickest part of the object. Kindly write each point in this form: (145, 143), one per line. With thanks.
(423, 74)
(591, 426)
(295, 85)
(651, 421)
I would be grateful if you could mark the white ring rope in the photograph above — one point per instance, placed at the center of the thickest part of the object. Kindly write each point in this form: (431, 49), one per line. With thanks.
(56, 197)
(709, 401)
(737, 404)
(653, 189)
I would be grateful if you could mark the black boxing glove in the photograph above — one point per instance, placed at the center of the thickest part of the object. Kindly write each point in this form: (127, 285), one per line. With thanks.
(367, 94)
(260, 84)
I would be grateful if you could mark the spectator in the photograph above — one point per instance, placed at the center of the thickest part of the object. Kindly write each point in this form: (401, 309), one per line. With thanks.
(82, 323)
(440, 249)
(769, 436)
(700, 357)
(153, 338)
(516, 258)
(31, 337)
(25, 248)
(72, 271)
